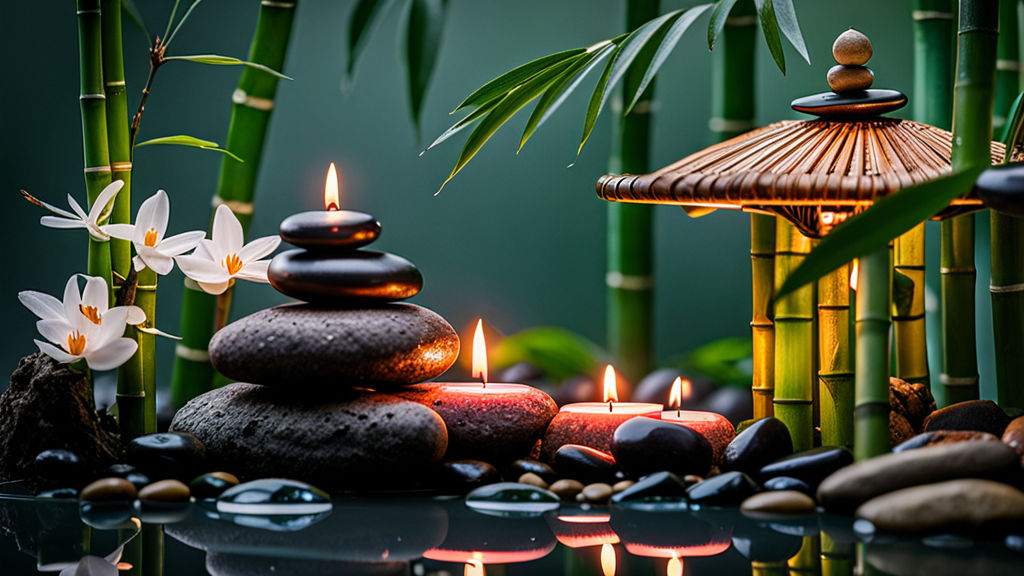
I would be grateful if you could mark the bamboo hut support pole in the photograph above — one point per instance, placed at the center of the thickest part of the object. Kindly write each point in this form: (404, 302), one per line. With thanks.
(762, 328)
(794, 339)
(835, 375)
(871, 378)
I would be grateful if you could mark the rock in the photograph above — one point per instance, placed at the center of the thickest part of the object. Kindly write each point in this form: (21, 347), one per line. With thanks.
(525, 465)
(943, 437)
(344, 442)
(1014, 435)
(303, 346)
(533, 480)
(787, 483)
(359, 275)
(273, 496)
(585, 464)
(47, 406)
(335, 230)
(120, 470)
(138, 479)
(595, 493)
(510, 497)
(212, 484)
(109, 490)
(999, 187)
(58, 493)
(166, 492)
(759, 543)
(862, 103)
(900, 429)
(461, 476)
(660, 487)
(852, 48)
(977, 415)
(642, 446)
(777, 502)
(857, 483)
(714, 427)
(954, 504)
(811, 466)
(168, 455)
(623, 485)
(498, 427)
(913, 401)
(575, 389)
(566, 489)
(656, 387)
(762, 442)
(60, 467)
(726, 489)
(849, 78)
(733, 402)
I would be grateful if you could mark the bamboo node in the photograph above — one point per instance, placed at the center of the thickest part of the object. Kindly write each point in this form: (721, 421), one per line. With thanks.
(959, 271)
(749, 20)
(278, 4)
(932, 15)
(236, 206)
(115, 83)
(954, 381)
(191, 354)
(621, 281)
(121, 166)
(96, 169)
(1005, 289)
(1009, 65)
(99, 96)
(240, 97)
(717, 124)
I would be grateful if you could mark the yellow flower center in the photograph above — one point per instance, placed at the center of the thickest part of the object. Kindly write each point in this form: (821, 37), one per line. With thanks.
(91, 313)
(150, 239)
(76, 343)
(233, 263)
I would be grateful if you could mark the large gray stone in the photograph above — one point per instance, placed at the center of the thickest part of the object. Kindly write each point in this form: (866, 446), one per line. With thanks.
(955, 504)
(354, 441)
(303, 346)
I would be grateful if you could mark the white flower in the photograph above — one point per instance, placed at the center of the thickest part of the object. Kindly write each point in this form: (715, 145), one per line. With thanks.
(79, 219)
(218, 261)
(82, 325)
(147, 235)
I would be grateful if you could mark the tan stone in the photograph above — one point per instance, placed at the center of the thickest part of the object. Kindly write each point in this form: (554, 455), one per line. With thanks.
(1014, 435)
(852, 48)
(533, 480)
(109, 490)
(166, 491)
(952, 504)
(599, 492)
(778, 502)
(849, 78)
(566, 489)
(622, 485)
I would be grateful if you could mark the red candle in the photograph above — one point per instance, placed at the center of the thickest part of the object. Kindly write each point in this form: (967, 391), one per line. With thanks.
(715, 427)
(593, 423)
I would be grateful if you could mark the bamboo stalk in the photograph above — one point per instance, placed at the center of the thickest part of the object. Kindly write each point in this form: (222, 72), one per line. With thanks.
(630, 266)
(117, 132)
(769, 569)
(794, 339)
(871, 374)
(145, 298)
(835, 376)
(972, 134)
(836, 558)
(250, 118)
(94, 122)
(808, 559)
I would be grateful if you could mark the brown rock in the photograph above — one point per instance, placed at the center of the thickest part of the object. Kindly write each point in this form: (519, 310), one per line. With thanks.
(978, 415)
(943, 437)
(109, 490)
(1014, 435)
(913, 401)
(778, 502)
(595, 493)
(622, 485)
(166, 491)
(900, 429)
(849, 78)
(533, 480)
(955, 504)
(852, 48)
(566, 489)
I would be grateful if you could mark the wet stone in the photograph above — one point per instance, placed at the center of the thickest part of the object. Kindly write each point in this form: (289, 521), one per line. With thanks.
(943, 437)
(464, 475)
(212, 484)
(330, 230)
(60, 467)
(726, 489)
(656, 387)
(951, 505)
(657, 488)
(512, 498)
(622, 485)
(107, 515)
(273, 496)
(1014, 435)
(525, 465)
(164, 455)
(109, 490)
(566, 489)
(860, 103)
(852, 48)
(585, 464)
(1000, 189)
(811, 466)
(165, 492)
(777, 502)
(533, 480)
(850, 78)
(58, 493)
(976, 415)
(912, 400)
(760, 443)
(362, 275)
(138, 479)
(732, 402)
(787, 483)
(642, 446)
(598, 493)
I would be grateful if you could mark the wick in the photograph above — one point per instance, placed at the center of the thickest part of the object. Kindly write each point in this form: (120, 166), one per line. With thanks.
(679, 412)
(332, 207)
(483, 379)
(609, 406)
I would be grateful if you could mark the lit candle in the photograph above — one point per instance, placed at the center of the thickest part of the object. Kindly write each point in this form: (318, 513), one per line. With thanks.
(715, 427)
(331, 227)
(593, 423)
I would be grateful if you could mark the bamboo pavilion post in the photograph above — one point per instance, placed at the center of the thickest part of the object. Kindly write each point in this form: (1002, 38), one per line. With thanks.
(794, 354)
(871, 377)
(630, 266)
(835, 376)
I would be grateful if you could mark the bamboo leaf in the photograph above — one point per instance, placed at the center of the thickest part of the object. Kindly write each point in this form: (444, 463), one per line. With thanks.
(727, 361)
(424, 22)
(718, 17)
(902, 293)
(770, 31)
(596, 101)
(129, 8)
(167, 41)
(501, 85)
(556, 352)
(364, 16)
(218, 60)
(786, 16)
(876, 226)
(191, 141)
(671, 37)
(464, 123)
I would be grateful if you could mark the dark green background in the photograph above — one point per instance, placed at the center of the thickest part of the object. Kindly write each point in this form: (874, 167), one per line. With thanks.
(518, 240)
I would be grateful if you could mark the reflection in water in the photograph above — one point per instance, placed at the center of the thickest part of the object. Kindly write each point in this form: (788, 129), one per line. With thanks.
(674, 567)
(608, 560)
(475, 568)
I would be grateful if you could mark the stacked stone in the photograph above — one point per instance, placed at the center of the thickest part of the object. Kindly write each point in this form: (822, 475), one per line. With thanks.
(306, 404)
(852, 50)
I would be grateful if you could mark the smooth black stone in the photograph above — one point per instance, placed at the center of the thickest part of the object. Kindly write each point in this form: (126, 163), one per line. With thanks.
(726, 489)
(513, 494)
(357, 275)
(138, 479)
(330, 230)
(657, 386)
(787, 483)
(461, 476)
(654, 488)
(586, 464)
(166, 455)
(210, 485)
(1001, 188)
(118, 471)
(524, 466)
(758, 543)
(107, 515)
(811, 466)
(733, 402)
(273, 492)
(847, 104)
(59, 493)
(521, 372)
(761, 443)
(643, 446)
(977, 415)
(61, 467)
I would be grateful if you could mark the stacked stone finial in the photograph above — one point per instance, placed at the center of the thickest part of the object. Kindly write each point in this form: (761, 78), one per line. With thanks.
(852, 50)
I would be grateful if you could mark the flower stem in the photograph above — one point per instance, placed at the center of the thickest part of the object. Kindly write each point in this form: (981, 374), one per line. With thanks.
(223, 309)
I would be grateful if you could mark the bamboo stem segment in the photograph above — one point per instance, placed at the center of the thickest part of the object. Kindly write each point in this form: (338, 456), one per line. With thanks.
(762, 327)
(117, 132)
(794, 339)
(871, 378)
(835, 375)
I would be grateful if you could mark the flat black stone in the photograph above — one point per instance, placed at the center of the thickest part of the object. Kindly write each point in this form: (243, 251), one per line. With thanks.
(167, 455)
(726, 489)
(461, 476)
(1001, 188)
(759, 444)
(851, 104)
(811, 466)
(60, 467)
(330, 230)
(976, 415)
(524, 466)
(357, 275)
(659, 487)
(643, 446)
(210, 485)
(585, 464)
(787, 483)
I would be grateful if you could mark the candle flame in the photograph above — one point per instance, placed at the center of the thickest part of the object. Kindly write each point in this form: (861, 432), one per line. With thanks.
(479, 353)
(675, 567)
(474, 568)
(332, 200)
(611, 394)
(854, 274)
(607, 560)
(680, 391)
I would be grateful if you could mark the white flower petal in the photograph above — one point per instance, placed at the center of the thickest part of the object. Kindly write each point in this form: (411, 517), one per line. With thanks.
(55, 353)
(152, 215)
(103, 200)
(114, 322)
(111, 355)
(254, 271)
(214, 288)
(95, 294)
(42, 305)
(202, 270)
(57, 222)
(181, 243)
(72, 299)
(140, 264)
(158, 262)
(52, 208)
(135, 315)
(227, 231)
(259, 248)
(77, 208)
(206, 249)
(55, 330)
(119, 231)
(158, 332)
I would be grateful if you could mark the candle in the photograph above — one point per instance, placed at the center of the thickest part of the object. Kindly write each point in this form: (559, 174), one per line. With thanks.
(593, 423)
(715, 427)
(332, 227)
(496, 422)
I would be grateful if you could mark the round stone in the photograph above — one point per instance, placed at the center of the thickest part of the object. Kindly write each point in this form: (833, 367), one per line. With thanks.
(361, 275)
(657, 488)
(975, 415)
(811, 466)
(461, 476)
(526, 465)
(657, 386)
(510, 497)
(958, 504)
(330, 229)
(787, 483)
(61, 467)
(598, 493)
(306, 347)
(733, 402)
(167, 455)
(349, 441)
(871, 102)
(622, 485)
(943, 437)
(533, 480)
(849, 78)
(212, 484)
(138, 478)
(760, 443)
(726, 489)
(274, 496)
(566, 489)
(1014, 435)
(714, 427)
(645, 445)
(912, 400)
(585, 463)
(852, 48)
(1000, 188)
(109, 490)
(777, 502)
(165, 492)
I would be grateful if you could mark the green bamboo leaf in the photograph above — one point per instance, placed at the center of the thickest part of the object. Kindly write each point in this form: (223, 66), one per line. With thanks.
(786, 16)
(424, 22)
(876, 226)
(671, 37)
(502, 85)
(562, 88)
(902, 293)
(191, 141)
(718, 18)
(218, 60)
(129, 8)
(770, 31)
(596, 101)
(556, 352)
(184, 18)
(464, 123)
(364, 17)
(505, 109)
